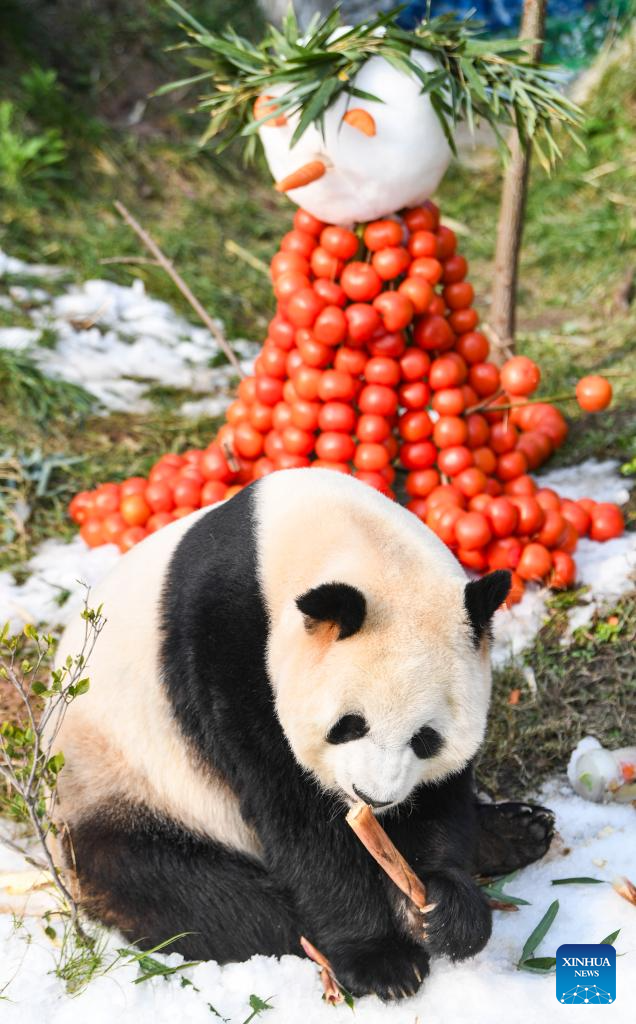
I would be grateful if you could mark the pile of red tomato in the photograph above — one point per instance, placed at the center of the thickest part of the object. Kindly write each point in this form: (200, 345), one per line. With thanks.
(373, 364)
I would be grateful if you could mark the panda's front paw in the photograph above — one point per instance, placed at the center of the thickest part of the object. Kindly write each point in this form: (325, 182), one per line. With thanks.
(390, 967)
(460, 923)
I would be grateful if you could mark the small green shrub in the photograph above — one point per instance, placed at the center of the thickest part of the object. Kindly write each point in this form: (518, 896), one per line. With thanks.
(29, 163)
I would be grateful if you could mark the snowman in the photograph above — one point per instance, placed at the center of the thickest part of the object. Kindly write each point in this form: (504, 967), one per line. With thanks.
(367, 160)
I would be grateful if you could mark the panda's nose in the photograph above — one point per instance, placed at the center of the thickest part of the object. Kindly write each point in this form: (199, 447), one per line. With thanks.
(369, 800)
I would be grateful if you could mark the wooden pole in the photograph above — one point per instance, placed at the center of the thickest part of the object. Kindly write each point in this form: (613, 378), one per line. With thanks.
(502, 319)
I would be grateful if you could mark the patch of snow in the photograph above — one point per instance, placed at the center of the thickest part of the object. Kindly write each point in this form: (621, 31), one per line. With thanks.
(116, 341)
(590, 479)
(597, 840)
(11, 265)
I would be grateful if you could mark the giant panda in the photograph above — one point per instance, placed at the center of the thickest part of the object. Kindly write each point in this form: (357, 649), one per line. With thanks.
(265, 664)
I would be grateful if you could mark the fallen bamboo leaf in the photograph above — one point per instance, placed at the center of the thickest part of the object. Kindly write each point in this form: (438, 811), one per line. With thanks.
(539, 933)
(583, 880)
(609, 940)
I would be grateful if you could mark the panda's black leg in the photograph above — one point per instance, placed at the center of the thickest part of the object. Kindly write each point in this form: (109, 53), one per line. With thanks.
(158, 882)
(511, 835)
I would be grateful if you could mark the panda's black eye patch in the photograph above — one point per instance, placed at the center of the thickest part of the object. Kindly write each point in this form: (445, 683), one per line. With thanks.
(347, 728)
(426, 743)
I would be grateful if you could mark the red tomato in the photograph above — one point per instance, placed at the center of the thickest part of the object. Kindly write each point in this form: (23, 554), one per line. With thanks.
(448, 402)
(282, 334)
(475, 559)
(159, 497)
(446, 242)
(159, 520)
(520, 376)
(282, 415)
(380, 370)
(473, 347)
(362, 321)
(330, 291)
(379, 399)
(361, 282)
(294, 362)
(420, 482)
(478, 502)
(535, 562)
(274, 445)
(269, 390)
(458, 296)
(574, 513)
(338, 416)
(427, 267)
(463, 320)
(372, 428)
(415, 425)
(304, 221)
(531, 515)
(432, 332)
(381, 233)
(391, 262)
(323, 264)
(484, 378)
(187, 493)
(504, 553)
(563, 572)
(298, 241)
(511, 465)
(503, 516)
(130, 537)
(423, 243)
(447, 372)
(418, 507)
(454, 460)
(274, 362)
(304, 306)
(414, 364)
(472, 531)
(134, 485)
(339, 242)
(247, 442)
(553, 530)
(484, 458)
(446, 494)
(307, 382)
(442, 520)
(607, 521)
(503, 438)
(336, 385)
(515, 594)
(113, 525)
(593, 393)
(313, 352)
(478, 430)
(523, 484)
(288, 284)
(414, 395)
(390, 345)
(395, 309)
(422, 218)
(471, 482)
(135, 510)
(334, 446)
(92, 531)
(305, 415)
(450, 431)
(260, 417)
(262, 467)
(286, 262)
(418, 454)
(212, 491)
(297, 441)
(548, 499)
(455, 269)
(105, 500)
(418, 291)
(370, 457)
(81, 506)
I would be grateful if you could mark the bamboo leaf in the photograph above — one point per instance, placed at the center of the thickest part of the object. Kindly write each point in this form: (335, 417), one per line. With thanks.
(539, 932)
(583, 880)
(540, 964)
(609, 940)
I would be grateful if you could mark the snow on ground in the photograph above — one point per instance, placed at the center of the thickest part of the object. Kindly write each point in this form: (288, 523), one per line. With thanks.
(116, 341)
(596, 840)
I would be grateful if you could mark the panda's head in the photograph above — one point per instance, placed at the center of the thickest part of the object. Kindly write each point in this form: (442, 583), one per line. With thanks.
(380, 667)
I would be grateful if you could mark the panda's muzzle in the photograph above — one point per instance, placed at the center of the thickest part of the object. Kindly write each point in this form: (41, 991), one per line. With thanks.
(369, 800)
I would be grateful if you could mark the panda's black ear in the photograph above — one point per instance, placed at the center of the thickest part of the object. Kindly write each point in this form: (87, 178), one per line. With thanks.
(483, 597)
(338, 603)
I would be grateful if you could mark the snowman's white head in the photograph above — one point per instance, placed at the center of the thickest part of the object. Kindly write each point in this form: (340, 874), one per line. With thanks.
(373, 158)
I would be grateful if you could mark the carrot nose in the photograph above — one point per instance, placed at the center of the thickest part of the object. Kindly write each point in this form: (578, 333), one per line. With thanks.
(302, 176)
(360, 119)
(264, 107)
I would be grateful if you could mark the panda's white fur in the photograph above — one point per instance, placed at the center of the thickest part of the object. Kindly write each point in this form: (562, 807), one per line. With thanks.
(411, 665)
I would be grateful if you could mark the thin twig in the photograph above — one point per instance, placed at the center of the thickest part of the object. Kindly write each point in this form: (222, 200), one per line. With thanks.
(164, 262)
(244, 254)
(142, 261)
